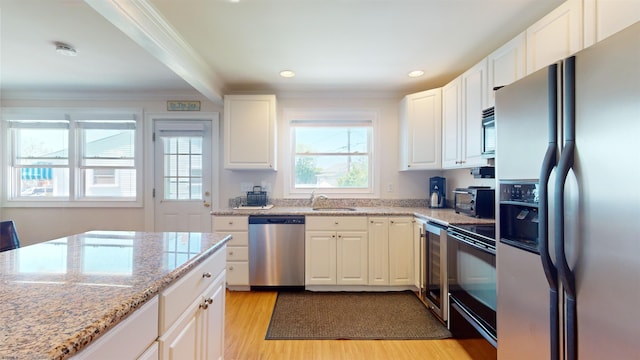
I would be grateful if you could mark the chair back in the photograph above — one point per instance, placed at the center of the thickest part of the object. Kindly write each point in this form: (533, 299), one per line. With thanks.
(8, 236)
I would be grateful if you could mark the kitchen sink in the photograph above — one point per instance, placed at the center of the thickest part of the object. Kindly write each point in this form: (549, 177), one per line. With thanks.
(334, 209)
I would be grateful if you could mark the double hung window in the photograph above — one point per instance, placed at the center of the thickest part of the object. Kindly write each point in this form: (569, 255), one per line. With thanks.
(332, 152)
(73, 156)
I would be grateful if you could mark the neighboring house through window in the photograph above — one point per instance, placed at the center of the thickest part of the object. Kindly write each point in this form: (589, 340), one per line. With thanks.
(332, 151)
(75, 156)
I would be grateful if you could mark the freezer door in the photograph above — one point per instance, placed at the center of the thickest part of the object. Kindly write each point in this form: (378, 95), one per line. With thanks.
(521, 114)
(523, 130)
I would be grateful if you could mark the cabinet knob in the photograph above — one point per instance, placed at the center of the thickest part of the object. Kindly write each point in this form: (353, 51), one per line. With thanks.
(230, 252)
(206, 275)
(337, 223)
(230, 222)
(205, 304)
(231, 268)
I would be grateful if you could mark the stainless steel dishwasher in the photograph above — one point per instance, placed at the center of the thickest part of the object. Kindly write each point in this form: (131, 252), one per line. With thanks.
(276, 252)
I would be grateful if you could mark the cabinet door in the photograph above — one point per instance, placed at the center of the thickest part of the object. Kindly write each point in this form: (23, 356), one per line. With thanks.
(401, 244)
(420, 130)
(213, 322)
(505, 65)
(250, 134)
(418, 248)
(603, 18)
(181, 341)
(352, 253)
(451, 124)
(555, 36)
(474, 89)
(320, 258)
(378, 251)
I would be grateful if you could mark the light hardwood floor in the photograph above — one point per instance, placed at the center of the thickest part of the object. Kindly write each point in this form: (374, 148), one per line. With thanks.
(247, 317)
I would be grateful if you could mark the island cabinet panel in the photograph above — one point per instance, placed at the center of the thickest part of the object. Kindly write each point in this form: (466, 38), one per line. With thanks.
(192, 313)
(130, 339)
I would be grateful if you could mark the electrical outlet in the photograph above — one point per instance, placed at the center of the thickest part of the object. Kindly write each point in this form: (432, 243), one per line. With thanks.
(390, 187)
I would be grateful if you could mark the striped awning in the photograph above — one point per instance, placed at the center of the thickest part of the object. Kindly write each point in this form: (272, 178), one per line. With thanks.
(36, 174)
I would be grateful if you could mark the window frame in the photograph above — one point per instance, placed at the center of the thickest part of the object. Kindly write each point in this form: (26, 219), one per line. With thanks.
(339, 117)
(74, 116)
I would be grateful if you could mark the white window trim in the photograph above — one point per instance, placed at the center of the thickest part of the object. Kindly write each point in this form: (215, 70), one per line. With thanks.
(27, 113)
(337, 115)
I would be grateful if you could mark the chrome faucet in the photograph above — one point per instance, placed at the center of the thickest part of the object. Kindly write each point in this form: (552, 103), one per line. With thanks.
(315, 198)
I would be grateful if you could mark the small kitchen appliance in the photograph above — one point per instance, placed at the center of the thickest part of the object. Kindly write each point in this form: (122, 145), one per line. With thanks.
(476, 201)
(437, 190)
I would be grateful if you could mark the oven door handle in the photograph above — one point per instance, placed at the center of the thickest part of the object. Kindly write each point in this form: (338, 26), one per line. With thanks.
(484, 249)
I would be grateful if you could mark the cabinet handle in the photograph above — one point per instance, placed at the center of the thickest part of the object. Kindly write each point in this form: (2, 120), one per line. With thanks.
(206, 275)
(205, 304)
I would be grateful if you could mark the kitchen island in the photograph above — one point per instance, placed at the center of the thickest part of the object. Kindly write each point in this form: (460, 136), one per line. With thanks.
(57, 297)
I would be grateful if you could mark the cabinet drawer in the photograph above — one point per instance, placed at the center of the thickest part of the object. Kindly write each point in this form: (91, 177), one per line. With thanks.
(238, 273)
(175, 299)
(336, 223)
(238, 238)
(237, 253)
(230, 223)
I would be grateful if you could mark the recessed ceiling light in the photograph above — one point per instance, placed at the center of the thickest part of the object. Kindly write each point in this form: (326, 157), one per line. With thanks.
(287, 73)
(416, 73)
(65, 49)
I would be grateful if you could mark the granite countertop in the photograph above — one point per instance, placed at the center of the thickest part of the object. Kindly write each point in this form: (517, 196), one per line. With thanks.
(443, 216)
(58, 296)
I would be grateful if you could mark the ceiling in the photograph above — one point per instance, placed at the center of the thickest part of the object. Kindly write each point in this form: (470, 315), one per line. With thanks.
(215, 47)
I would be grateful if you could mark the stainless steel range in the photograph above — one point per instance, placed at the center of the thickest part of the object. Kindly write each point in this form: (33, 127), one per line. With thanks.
(471, 272)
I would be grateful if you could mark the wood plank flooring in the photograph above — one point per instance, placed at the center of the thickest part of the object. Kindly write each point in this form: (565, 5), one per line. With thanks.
(247, 317)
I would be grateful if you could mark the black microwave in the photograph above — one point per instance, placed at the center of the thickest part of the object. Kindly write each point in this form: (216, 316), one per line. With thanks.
(488, 133)
(477, 201)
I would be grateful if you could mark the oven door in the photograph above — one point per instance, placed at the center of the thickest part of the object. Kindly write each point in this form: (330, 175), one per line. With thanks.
(472, 285)
(464, 200)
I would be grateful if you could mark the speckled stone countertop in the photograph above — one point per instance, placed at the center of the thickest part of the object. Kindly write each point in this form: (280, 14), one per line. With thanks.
(443, 216)
(58, 296)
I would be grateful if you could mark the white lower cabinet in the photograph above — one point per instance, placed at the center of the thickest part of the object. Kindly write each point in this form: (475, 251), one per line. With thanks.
(391, 251)
(192, 313)
(336, 250)
(401, 251)
(237, 249)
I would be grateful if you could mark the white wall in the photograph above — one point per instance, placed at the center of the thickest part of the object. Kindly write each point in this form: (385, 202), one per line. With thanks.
(41, 224)
(405, 185)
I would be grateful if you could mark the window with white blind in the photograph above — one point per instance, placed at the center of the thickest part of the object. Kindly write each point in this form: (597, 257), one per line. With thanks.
(332, 152)
(79, 156)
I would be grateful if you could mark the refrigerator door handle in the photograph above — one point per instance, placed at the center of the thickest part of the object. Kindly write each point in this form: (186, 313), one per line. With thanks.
(566, 163)
(548, 164)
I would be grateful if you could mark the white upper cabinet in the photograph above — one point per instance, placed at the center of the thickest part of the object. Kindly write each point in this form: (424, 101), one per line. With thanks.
(250, 132)
(505, 65)
(462, 119)
(555, 36)
(603, 18)
(451, 126)
(420, 130)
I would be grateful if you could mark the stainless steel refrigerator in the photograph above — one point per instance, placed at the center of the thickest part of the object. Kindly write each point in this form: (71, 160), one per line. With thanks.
(568, 170)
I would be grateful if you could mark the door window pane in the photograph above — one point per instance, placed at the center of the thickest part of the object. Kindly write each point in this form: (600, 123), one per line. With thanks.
(182, 167)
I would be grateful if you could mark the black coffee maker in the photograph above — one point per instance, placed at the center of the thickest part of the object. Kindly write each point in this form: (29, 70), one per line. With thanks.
(437, 191)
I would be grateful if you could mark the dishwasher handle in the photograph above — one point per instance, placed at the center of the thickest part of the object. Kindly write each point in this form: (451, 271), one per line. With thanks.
(275, 219)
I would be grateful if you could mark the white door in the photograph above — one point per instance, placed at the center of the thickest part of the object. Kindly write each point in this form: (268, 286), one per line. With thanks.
(183, 180)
